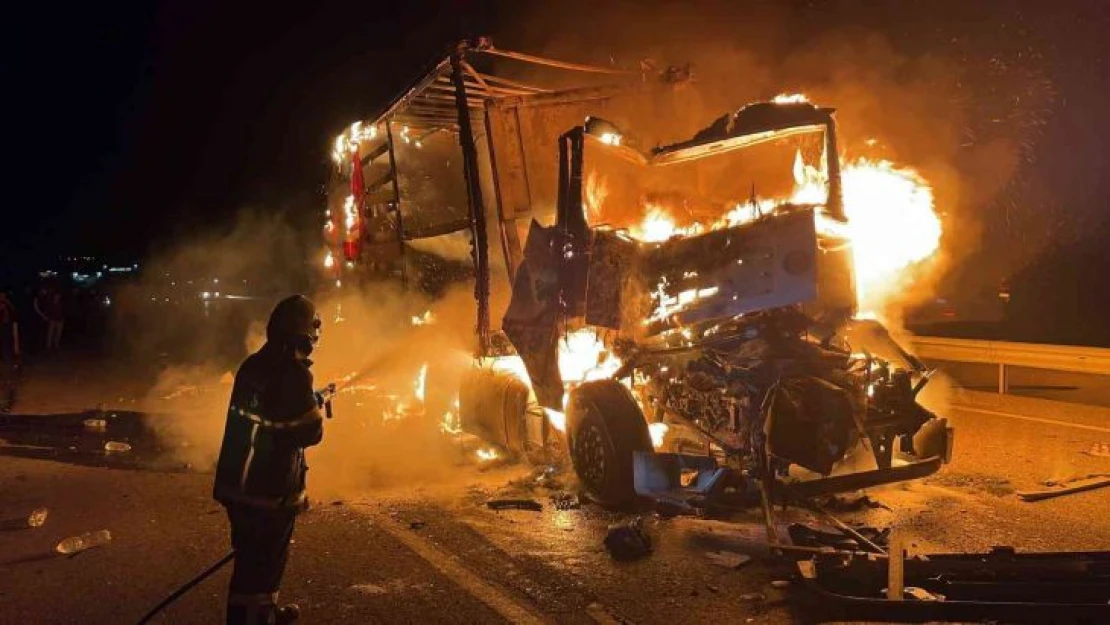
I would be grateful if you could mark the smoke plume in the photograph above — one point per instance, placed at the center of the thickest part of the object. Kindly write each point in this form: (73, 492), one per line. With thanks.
(396, 354)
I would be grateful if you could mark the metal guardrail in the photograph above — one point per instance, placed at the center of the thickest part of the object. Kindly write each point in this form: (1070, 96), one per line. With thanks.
(1095, 360)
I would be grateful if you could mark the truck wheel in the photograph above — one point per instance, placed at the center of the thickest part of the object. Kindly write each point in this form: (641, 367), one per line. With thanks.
(606, 427)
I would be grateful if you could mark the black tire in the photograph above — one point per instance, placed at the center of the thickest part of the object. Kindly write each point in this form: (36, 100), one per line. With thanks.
(606, 427)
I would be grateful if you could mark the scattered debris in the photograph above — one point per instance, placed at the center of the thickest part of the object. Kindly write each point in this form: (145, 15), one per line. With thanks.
(541, 477)
(415, 525)
(79, 543)
(806, 536)
(36, 518)
(548, 478)
(1066, 487)
(566, 501)
(752, 596)
(628, 541)
(780, 583)
(1099, 450)
(116, 446)
(728, 559)
(514, 504)
(1001, 585)
(851, 503)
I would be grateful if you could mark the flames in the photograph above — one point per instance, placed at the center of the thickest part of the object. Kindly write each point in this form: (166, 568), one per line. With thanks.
(583, 357)
(486, 454)
(891, 222)
(348, 141)
(790, 98)
(422, 320)
(658, 432)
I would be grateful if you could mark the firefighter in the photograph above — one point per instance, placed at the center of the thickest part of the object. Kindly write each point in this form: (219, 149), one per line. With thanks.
(260, 477)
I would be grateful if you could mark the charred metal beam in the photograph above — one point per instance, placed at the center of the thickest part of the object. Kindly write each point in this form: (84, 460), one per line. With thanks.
(489, 78)
(501, 226)
(379, 182)
(396, 197)
(471, 102)
(375, 153)
(415, 91)
(539, 60)
(474, 201)
(835, 204)
(566, 96)
(864, 479)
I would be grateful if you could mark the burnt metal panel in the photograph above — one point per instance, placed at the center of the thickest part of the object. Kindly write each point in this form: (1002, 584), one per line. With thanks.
(766, 264)
(531, 321)
(612, 265)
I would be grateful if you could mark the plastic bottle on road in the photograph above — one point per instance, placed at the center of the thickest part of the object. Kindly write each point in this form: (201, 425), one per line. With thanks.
(37, 517)
(88, 540)
(111, 446)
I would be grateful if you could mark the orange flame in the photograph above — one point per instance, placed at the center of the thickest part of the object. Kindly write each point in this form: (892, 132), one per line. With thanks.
(891, 222)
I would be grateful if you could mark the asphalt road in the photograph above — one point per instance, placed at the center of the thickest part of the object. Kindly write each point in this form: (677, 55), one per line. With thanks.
(400, 550)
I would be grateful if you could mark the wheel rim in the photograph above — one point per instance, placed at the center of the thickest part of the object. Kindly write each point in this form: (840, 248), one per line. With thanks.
(590, 452)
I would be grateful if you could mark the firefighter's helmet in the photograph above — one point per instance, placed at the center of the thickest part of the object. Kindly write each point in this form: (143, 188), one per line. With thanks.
(294, 322)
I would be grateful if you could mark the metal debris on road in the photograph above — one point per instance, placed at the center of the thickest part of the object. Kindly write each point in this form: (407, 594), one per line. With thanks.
(1000, 586)
(728, 559)
(849, 503)
(548, 478)
(541, 477)
(566, 501)
(628, 541)
(514, 504)
(1066, 487)
(805, 536)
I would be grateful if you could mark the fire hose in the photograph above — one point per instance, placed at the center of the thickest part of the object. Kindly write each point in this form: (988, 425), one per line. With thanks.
(323, 399)
(187, 586)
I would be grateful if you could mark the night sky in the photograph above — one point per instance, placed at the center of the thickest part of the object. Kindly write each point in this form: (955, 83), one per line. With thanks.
(135, 122)
(138, 121)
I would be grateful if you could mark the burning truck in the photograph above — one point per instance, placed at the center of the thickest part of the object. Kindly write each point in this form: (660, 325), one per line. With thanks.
(683, 322)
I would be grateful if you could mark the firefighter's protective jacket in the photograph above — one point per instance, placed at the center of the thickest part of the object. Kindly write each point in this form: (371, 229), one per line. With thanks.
(272, 417)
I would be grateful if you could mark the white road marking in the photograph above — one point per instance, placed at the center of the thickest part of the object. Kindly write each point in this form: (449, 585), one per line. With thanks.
(449, 565)
(1008, 415)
